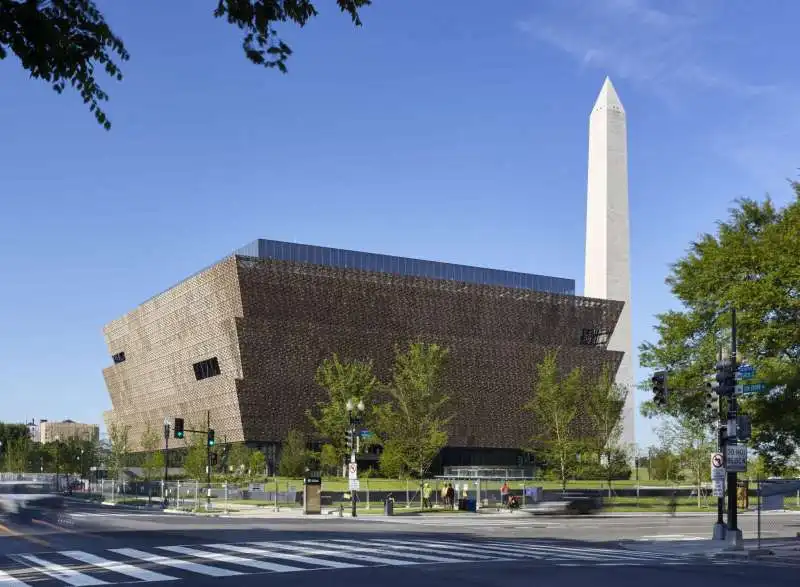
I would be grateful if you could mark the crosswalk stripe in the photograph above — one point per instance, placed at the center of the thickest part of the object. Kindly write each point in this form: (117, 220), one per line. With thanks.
(8, 581)
(393, 546)
(348, 549)
(461, 548)
(236, 560)
(590, 552)
(351, 555)
(175, 562)
(117, 567)
(61, 573)
(317, 562)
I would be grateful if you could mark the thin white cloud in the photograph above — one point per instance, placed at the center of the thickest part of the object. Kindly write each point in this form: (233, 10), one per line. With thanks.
(672, 49)
(639, 42)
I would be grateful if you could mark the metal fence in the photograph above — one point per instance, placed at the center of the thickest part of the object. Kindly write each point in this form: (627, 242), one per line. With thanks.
(192, 495)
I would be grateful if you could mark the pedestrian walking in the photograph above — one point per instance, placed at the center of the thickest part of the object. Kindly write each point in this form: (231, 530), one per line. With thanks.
(426, 496)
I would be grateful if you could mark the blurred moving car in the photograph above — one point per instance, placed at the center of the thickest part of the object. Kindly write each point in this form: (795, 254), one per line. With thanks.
(28, 500)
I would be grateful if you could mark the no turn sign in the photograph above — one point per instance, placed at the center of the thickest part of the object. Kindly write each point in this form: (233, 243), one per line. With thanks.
(717, 468)
(352, 469)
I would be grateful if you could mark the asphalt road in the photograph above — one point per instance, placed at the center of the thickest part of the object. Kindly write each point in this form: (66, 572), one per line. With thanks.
(95, 546)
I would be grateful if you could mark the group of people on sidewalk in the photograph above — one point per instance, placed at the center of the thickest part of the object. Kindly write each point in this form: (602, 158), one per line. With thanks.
(448, 495)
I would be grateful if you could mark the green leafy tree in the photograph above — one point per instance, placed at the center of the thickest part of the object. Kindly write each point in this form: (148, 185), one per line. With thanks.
(693, 442)
(256, 465)
(412, 422)
(65, 42)
(554, 407)
(294, 455)
(604, 401)
(119, 449)
(196, 455)
(751, 264)
(343, 381)
(329, 459)
(238, 458)
(15, 454)
(665, 465)
(392, 461)
(153, 463)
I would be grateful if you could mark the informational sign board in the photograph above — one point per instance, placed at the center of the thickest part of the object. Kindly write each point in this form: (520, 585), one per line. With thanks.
(718, 487)
(736, 458)
(355, 484)
(717, 466)
(352, 470)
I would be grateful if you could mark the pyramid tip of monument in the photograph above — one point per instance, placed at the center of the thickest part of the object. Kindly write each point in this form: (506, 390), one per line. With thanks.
(608, 95)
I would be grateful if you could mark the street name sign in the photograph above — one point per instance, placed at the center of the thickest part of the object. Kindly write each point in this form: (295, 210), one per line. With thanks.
(717, 466)
(736, 458)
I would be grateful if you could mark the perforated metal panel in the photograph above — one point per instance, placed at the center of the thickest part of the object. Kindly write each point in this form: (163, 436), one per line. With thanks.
(270, 323)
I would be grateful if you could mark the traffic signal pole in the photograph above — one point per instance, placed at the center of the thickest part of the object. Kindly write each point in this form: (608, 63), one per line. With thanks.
(733, 535)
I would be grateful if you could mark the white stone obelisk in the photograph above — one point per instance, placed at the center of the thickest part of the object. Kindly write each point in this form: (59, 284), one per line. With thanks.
(608, 266)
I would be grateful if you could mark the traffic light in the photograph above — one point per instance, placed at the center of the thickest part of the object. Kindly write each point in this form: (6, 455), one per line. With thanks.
(178, 427)
(726, 378)
(348, 440)
(211, 441)
(712, 400)
(213, 459)
(659, 381)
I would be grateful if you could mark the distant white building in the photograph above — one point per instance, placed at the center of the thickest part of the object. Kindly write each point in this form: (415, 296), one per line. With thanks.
(67, 430)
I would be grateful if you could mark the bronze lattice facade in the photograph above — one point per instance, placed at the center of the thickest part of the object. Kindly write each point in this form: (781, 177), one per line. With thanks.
(269, 323)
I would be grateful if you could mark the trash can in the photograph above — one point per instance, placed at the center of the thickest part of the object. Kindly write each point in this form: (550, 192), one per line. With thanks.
(470, 505)
(388, 507)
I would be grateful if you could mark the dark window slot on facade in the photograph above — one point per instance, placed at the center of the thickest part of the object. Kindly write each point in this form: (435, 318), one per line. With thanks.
(207, 368)
(118, 358)
(594, 337)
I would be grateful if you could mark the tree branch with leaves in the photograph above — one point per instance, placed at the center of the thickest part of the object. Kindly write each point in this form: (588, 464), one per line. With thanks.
(749, 263)
(66, 42)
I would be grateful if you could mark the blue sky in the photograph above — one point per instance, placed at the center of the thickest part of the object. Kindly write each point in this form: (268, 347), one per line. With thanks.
(442, 130)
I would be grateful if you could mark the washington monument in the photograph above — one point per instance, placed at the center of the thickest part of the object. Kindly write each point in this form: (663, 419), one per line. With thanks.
(608, 265)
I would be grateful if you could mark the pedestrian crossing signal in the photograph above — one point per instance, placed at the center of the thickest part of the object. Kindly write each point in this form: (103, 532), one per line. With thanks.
(178, 427)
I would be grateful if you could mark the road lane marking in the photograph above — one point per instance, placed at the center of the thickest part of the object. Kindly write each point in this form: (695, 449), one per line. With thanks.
(117, 567)
(65, 574)
(284, 555)
(8, 581)
(175, 562)
(236, 560)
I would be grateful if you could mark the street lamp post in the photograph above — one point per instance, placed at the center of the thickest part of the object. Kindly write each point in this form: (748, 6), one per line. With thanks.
(354, 413)
(58, 464)
(166, 461)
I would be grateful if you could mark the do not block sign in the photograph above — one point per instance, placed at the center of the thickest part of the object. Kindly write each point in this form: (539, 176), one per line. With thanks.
(717, 467)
